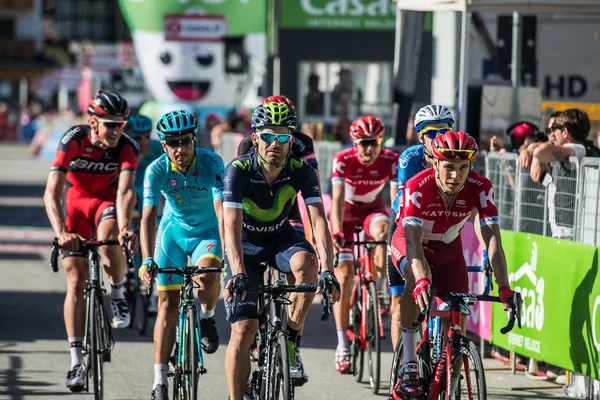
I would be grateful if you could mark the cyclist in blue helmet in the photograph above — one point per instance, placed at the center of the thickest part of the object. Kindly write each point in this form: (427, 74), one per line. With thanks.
(189, 179)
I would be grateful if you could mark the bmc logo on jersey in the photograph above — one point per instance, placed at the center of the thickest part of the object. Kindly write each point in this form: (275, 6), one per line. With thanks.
(412, 197)
(84, 165)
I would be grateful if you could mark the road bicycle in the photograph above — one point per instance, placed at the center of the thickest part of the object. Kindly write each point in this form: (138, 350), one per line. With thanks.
(98, 340)
(187, 363)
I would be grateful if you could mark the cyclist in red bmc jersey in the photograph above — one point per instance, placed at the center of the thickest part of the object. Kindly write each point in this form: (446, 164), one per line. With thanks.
(359, 175)
(96, 163)
(427, 245)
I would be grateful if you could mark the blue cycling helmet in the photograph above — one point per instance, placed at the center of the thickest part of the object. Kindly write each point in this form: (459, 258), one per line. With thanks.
(274, 114)
(176, 123)
(138, 125)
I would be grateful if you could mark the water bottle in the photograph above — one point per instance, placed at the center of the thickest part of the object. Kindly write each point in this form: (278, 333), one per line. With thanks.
(573, 391)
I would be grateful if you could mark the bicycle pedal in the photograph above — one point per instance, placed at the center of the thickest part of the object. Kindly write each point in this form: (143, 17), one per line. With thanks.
(203, 371)
(299, 382)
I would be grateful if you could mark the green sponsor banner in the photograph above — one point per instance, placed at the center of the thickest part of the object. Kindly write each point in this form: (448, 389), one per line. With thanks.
(558, 280)
(338, 14)
(243, 17)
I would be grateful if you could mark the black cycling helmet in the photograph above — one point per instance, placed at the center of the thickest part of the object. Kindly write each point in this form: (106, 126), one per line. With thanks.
(138, 125)
(274, 114)
(108, 103)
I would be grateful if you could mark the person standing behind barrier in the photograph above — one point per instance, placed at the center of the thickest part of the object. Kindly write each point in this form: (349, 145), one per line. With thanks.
(567, 137)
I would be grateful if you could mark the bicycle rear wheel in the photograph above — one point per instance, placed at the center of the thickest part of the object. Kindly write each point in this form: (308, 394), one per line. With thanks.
(472, 380)
(373, 337)
(141, 313)
(96, 358)
(190, 365)
(357, 354)
(278, 382)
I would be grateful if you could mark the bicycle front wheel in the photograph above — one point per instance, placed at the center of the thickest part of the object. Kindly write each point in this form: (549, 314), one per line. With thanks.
(96, 358)
(471, 385)
(373, 337)
(278, 382)
(190, 365)
(357, 353)
(141, 313)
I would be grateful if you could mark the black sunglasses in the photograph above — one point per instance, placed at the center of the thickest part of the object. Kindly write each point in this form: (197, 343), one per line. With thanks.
(176, 143)
(553, 128)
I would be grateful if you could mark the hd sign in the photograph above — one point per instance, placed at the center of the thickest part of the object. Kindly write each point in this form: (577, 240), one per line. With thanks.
(338, 14)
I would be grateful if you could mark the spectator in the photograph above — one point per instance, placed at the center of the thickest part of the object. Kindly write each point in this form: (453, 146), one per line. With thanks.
(315, 98)
(204, 133)
(341, 131)
(548, 165)
(341, 97)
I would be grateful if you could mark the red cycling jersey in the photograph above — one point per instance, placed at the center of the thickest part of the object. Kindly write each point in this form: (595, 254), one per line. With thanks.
(92, 175)
(363, 185)
(92, 170)
(424, 206)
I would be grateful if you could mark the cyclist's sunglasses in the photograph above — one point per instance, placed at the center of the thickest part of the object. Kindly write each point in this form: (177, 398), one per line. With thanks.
(282, 138)
(369, 142)
(432, 133)
(142, 137)
(176, 143)
(110, 124)
(459, 154)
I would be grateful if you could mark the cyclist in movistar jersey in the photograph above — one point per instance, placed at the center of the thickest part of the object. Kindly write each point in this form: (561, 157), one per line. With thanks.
(260, 188)
(191, 181)
(430, 121)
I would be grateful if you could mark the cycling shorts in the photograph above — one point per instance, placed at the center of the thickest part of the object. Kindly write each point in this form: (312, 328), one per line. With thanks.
(364, 219)
(446, 260)
(396, 281)
(84, 214)
(175, 243)
(277, 253)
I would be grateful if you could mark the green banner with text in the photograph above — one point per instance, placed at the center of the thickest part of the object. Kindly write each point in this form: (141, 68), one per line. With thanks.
(338, 14)
(558, 280)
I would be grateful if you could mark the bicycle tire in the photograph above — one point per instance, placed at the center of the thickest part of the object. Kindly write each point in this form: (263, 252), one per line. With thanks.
(373, 338)
(278, 381)
(357, 354)
(468, 349)
(141, 313)
(174, 372)
(130, 292)
(95, 345)
(191, 373)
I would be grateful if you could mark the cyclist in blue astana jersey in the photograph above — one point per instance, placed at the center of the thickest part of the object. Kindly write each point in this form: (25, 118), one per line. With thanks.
(430, 121)
(260, 188)
(191, 181)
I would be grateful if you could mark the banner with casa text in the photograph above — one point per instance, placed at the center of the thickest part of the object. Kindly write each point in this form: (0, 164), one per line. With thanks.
(558, 280)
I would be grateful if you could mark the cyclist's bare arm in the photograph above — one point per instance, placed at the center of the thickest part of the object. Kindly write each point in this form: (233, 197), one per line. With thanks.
(126, 199)
(321, 234)
(233, 239)
(219, 211)
(148, 230)
(414, 252)
(493, 242)
(53, 200)
(393, 191)
(338, 193)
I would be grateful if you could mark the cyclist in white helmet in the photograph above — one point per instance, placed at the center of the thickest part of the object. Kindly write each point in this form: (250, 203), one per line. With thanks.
(430, 121)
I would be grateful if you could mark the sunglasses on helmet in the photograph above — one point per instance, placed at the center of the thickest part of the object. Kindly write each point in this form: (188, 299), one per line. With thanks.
(110, 124)
(282, 138)
(459, 154)
(369, 142)
(432, 132)
(176, 143)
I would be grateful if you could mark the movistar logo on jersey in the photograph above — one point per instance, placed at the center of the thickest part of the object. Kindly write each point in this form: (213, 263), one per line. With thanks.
(296, 163)
(246, 164)
(285, 194)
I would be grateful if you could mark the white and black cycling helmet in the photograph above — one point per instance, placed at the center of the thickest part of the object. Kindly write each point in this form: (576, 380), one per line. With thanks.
(433, 114)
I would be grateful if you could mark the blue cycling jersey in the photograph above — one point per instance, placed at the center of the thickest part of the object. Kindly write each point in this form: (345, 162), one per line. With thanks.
(156, 150)
(189, 197)
(410, 163)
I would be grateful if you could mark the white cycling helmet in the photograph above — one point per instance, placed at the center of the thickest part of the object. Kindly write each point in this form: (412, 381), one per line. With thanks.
(431, 114)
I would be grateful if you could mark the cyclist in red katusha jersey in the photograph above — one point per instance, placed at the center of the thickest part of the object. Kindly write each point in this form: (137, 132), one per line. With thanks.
(96, 163)
(358, 177)
(427, 246)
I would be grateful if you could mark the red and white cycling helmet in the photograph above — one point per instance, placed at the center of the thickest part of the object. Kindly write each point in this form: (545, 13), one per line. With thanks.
(454, 146)
(279, 99)
(367, 128)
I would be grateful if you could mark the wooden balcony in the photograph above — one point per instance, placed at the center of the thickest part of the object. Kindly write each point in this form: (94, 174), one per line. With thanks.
(16, 49)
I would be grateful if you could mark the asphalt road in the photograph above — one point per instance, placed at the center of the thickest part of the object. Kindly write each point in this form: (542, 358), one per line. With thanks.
(34, 355)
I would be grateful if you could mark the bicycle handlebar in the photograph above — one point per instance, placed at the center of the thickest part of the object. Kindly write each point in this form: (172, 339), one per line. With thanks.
(91, 244)
(187, 270)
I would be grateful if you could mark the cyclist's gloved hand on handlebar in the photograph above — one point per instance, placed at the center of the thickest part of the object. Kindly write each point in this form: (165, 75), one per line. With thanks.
(421, 294)
(507, 297)
(133, 244)
(69, 241)
(338, 240)
(328, 281)
(237, 285)
(144, 271)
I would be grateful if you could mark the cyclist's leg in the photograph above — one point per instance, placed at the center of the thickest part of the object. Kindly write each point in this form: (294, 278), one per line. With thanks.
(377, 226)
(207, 253)
(244, 323)
(397, 289)
(75, 264)
(114, 262)
(167, 253)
